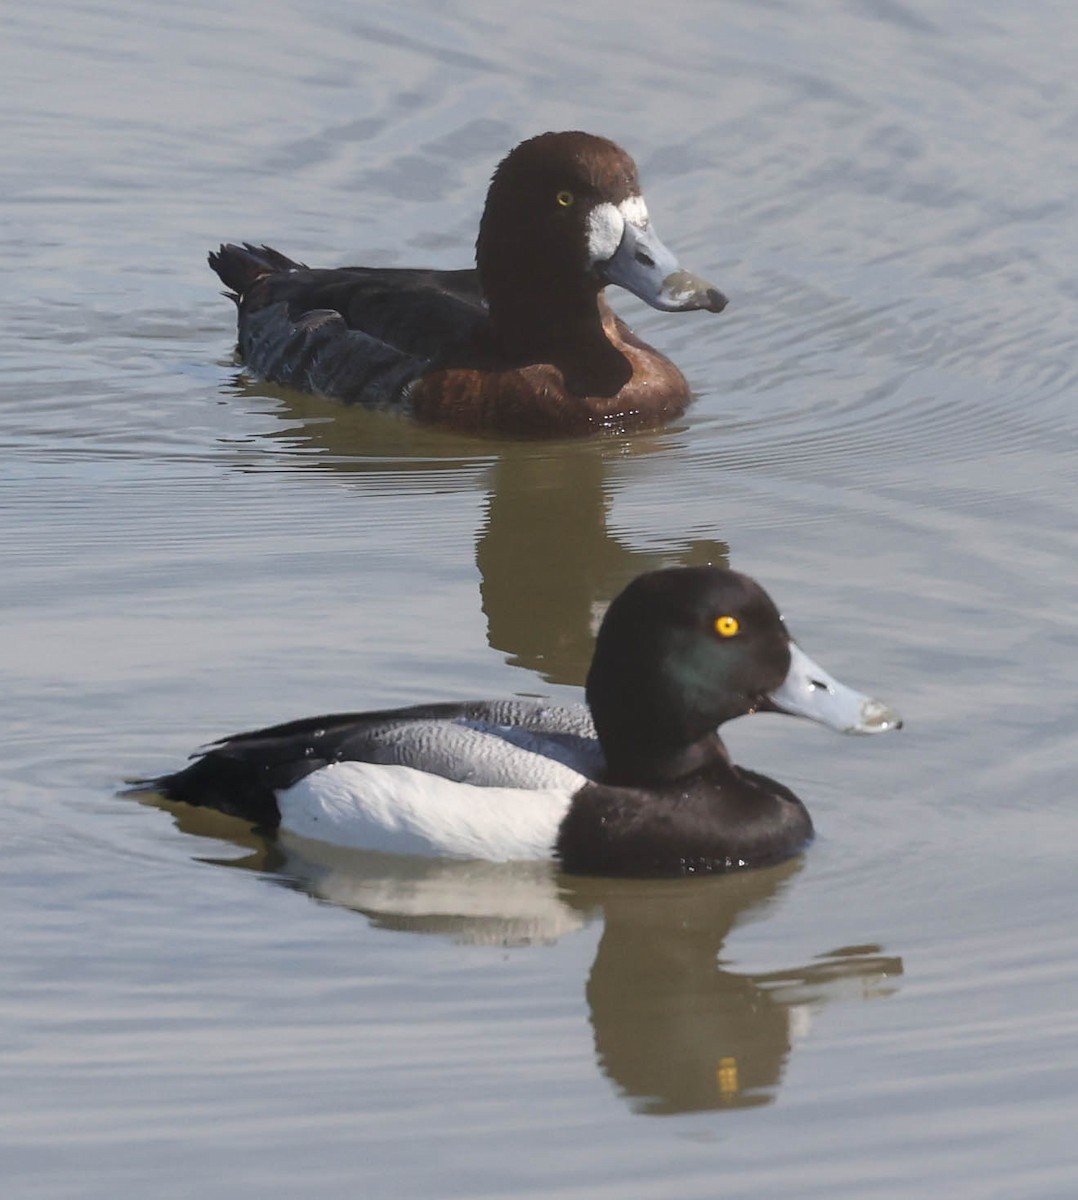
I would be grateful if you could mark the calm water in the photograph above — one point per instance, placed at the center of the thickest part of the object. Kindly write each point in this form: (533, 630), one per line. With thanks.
(885, 436)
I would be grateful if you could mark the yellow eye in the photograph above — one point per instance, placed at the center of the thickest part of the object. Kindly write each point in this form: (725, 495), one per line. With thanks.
(565, 199)
(727, 626)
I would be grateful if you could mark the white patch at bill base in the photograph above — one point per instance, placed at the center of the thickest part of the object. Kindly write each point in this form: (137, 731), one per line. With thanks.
(635, 211)
(606, 227)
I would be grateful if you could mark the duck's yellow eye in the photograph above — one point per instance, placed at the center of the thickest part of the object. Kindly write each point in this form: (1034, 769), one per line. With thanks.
(565, 199)
(726, 626)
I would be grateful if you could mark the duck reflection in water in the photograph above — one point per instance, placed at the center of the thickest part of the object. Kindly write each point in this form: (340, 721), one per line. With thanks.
(550, 563)
(677, 1029)
(548, 559)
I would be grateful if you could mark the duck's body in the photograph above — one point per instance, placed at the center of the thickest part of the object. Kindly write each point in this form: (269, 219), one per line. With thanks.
(523, 344)
(641, 785)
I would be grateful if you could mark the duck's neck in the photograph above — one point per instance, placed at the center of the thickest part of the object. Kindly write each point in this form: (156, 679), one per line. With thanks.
(643, 763)
(571, 330)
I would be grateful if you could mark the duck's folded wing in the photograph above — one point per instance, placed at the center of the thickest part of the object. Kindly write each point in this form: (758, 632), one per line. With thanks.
(358, 333)
(513, 743)
(419, 312)
(465, 753)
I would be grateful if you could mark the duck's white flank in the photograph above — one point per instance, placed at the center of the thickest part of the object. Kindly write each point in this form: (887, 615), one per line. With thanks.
(400, 810)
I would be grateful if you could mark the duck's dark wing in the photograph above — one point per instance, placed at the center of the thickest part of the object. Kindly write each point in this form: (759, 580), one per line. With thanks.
(357, 333)
(498, 744)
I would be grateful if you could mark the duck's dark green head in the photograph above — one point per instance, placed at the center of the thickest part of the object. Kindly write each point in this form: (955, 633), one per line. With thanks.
(680, 651)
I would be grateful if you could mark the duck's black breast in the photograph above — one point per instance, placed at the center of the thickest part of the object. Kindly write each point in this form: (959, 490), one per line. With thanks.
(721, 819)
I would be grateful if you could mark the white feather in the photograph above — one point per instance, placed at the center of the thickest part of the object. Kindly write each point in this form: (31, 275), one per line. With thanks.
(606, 226)
(635, 211)
(399, 810)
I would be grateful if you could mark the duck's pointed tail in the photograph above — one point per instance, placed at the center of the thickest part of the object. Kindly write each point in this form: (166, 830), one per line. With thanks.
(239, 266)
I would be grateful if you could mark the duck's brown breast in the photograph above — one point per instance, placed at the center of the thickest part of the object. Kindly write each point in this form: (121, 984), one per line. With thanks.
(631, 386)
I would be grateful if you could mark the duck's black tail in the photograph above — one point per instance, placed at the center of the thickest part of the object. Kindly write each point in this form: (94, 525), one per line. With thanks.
(218, 780)
(239, 266)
